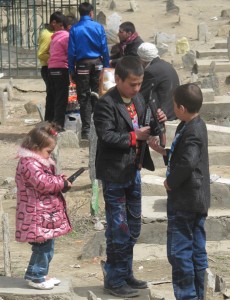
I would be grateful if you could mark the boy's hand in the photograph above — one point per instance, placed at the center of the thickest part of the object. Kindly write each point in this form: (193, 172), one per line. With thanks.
(161, 116)
(153, 142)
(142, 133)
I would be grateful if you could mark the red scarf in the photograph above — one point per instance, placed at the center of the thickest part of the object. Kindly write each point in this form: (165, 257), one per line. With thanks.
(129, 40)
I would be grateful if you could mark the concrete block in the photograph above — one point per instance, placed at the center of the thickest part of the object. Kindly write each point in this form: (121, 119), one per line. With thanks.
(218, 109)
(69, 139)
(3, 106)
(17, 288)
(217, 135)
(203, 66)
(212, 52)
(221, 44)
(208, 95)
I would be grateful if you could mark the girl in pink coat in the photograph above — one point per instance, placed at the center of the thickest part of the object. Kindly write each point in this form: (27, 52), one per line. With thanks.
(41, 208)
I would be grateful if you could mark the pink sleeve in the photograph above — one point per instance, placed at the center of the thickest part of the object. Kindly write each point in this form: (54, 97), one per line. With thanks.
(42, 179)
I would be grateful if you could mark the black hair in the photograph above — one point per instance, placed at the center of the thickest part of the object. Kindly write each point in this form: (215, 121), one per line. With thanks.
(190, 96)
(70, 20)
(127, 27)
(85, 8)
(129, 65)
(58, 17)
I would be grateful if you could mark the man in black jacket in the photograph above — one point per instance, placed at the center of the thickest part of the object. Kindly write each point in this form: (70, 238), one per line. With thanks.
(118, 119)
(160, 77)
(129, 43)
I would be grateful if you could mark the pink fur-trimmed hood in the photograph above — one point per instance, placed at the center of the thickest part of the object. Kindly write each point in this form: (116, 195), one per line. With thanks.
(23, 153)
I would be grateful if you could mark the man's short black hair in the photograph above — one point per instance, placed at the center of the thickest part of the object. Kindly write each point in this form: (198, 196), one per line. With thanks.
(85, 8)
(127, 27)
(129, 65)
(190, 96)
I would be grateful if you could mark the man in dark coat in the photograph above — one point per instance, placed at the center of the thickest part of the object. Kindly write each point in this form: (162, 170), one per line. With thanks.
(160, 77)
(128, 45)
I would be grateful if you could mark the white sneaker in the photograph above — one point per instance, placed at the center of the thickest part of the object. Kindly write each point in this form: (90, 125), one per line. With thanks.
(55, 280)
(45, 285)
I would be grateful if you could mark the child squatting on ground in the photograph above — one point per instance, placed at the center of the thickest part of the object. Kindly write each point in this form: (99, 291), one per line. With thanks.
(188, 187)
(41, 208)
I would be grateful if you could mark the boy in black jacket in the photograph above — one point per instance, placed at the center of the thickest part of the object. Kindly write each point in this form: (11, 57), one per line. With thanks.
(188, 186)
(119, 120)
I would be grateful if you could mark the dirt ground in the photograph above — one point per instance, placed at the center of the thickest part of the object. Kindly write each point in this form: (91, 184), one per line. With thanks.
(86, 274)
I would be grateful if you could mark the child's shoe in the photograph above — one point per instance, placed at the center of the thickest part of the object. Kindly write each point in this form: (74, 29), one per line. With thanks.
(45, 285)
(55, 280)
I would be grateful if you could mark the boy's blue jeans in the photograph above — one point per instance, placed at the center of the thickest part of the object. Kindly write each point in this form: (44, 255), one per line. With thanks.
(123, 215)
(42, 254)
(186, 240)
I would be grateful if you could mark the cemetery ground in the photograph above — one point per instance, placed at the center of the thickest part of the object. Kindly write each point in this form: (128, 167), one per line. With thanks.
(86, 274)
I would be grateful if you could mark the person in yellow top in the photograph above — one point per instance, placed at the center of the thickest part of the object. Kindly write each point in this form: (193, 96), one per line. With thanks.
(56, 23)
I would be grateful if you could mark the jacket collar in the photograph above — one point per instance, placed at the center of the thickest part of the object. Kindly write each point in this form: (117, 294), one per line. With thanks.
(122, 108)
(26, 153)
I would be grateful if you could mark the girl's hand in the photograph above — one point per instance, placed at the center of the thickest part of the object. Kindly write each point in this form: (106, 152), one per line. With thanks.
(69, 184)
(153, 142)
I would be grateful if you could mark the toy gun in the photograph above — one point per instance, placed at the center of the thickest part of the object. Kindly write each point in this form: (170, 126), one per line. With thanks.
(73, 177)
(156, 128)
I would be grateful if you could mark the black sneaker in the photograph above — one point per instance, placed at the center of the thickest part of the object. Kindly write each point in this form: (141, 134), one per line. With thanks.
(124, 291)
(136, 284)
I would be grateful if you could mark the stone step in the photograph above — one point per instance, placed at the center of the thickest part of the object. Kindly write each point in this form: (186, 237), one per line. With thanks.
(220, 188)
(222, 65)
(217, 53)
(217, 135)
(16, 288)
(219, 108)
(221, 44)
(217, 156)
(155, 222)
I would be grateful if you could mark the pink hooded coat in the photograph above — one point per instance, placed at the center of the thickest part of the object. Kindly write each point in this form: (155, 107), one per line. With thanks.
(41, 207)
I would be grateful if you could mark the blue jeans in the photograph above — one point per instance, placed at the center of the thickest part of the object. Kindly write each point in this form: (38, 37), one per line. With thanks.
(123, 215)
(186, 240)
(42, 254)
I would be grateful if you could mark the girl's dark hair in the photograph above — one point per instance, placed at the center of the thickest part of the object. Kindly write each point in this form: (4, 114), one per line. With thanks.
(127, 27)
(58, 17)
(129, 65)
(85, 8)
(39, 137)
(190, 96)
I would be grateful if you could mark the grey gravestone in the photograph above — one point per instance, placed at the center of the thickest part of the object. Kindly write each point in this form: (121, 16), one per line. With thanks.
(189, 60)
(228, 46)
(112, 5)
(101, 18)
(202, 32)
(92, 152)
(134, 6)
(3, 106)
(211, 82)
(171, 7)
(225, 13)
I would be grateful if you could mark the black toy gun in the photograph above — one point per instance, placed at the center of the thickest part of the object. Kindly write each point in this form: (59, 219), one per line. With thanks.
(156, 128)
(73, 177)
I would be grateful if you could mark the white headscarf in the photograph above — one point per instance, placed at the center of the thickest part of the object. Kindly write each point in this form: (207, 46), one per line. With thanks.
(147, 52)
